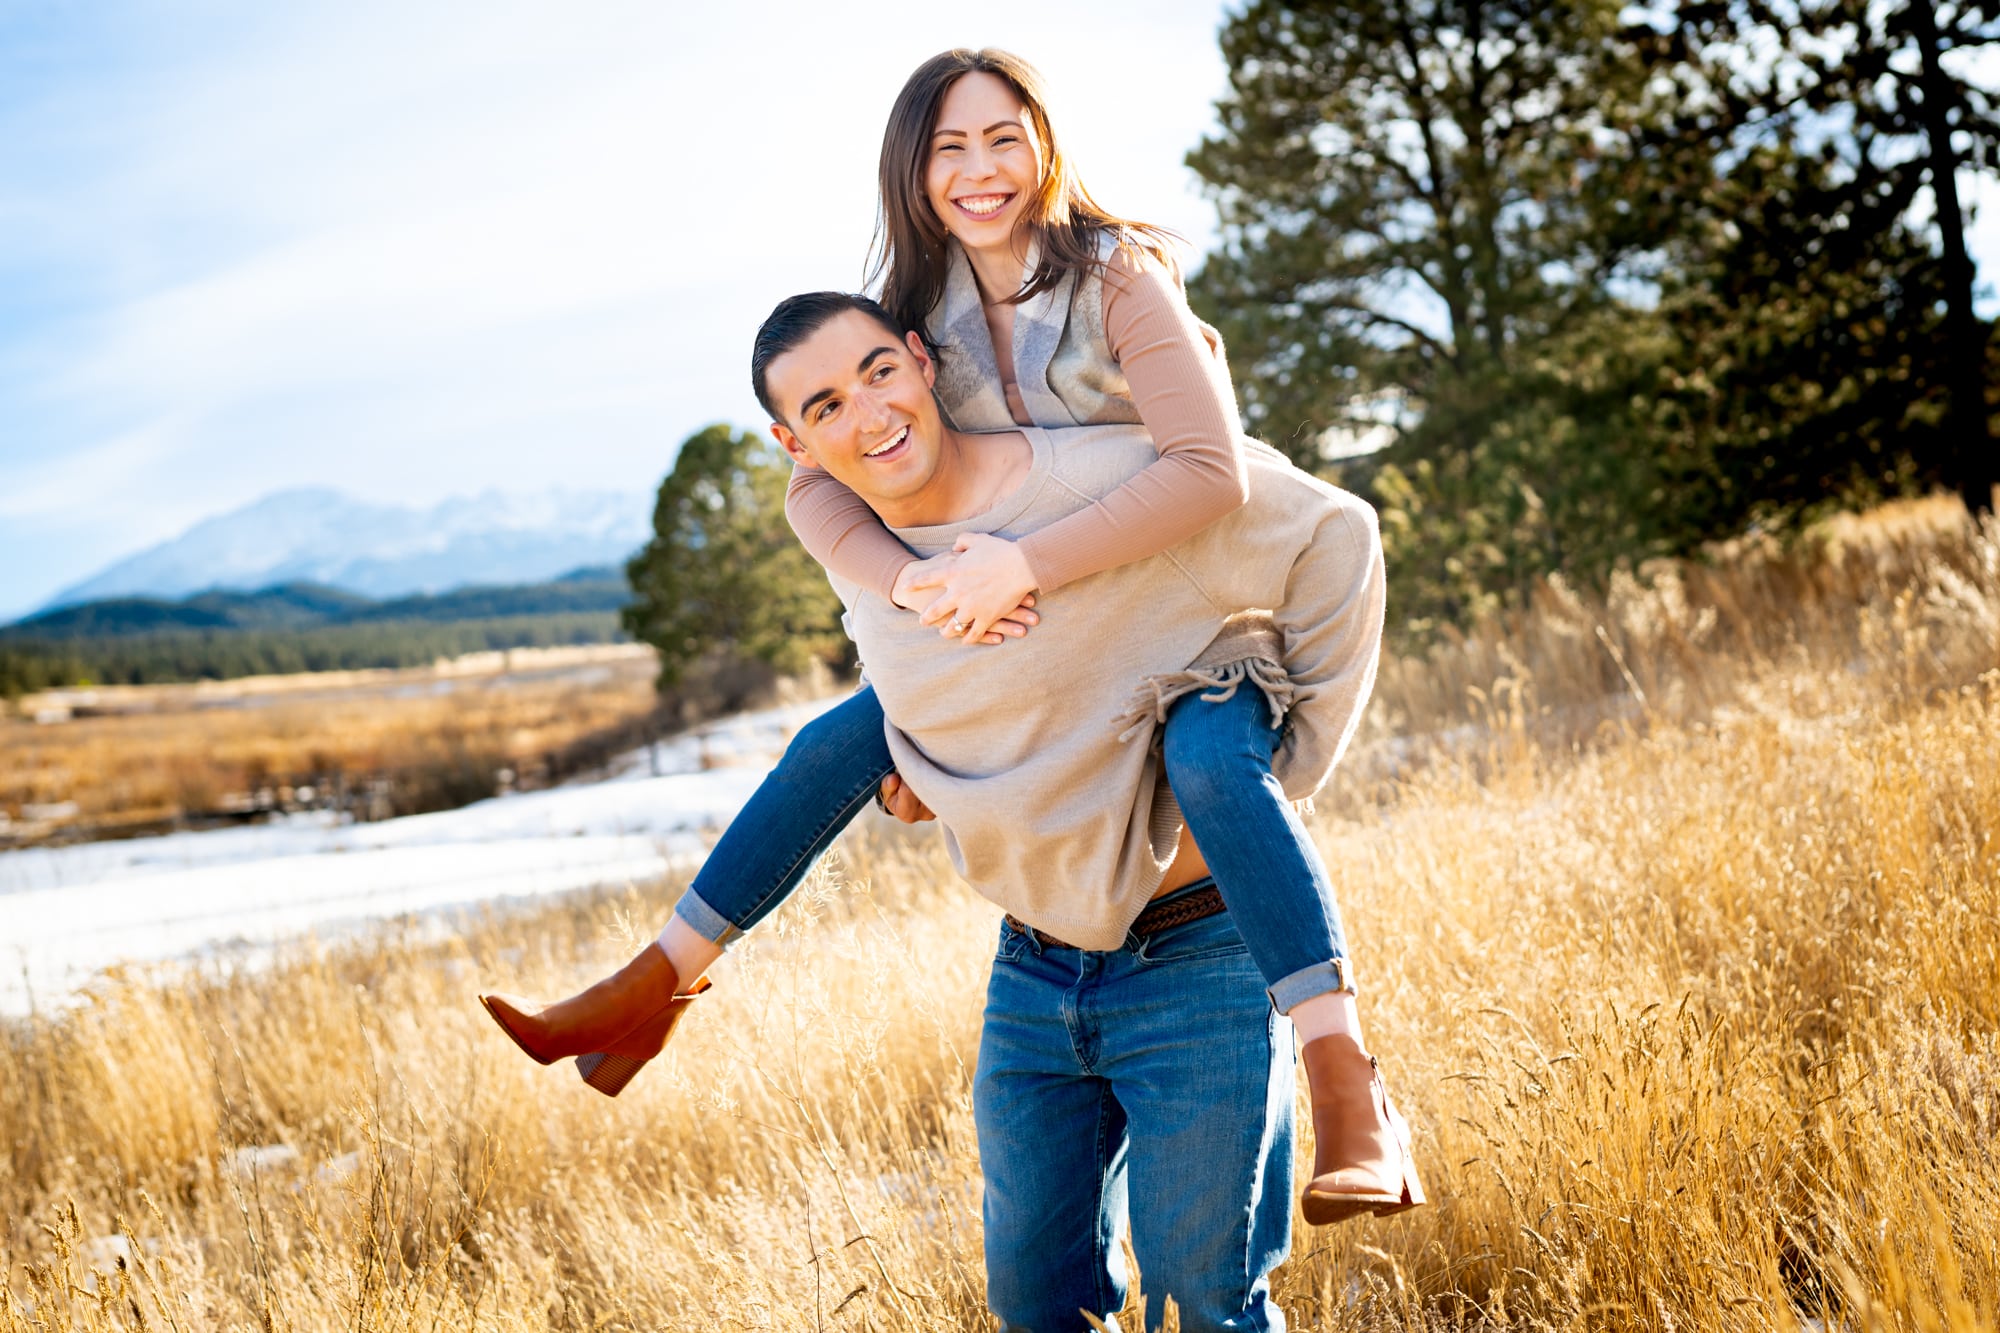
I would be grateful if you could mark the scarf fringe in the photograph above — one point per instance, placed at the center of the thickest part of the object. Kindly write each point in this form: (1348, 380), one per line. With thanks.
(1157, 694)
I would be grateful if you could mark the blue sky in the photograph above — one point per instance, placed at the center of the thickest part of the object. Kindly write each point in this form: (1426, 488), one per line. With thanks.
(416, 250)
(419, 249)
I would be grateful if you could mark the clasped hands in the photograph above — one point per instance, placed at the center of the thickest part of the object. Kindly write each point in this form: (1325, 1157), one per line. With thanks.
(981, 591)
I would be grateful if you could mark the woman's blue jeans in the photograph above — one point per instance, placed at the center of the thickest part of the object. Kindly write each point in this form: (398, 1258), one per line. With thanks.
(1218, 760)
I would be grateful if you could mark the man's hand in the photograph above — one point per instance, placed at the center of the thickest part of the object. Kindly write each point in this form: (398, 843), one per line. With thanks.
(897, 798)
(987, 584)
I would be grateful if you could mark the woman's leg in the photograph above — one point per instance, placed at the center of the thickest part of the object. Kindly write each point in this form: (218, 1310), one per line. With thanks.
(831, 769)
(1218, 757)
(828, 772)
(1276, 887)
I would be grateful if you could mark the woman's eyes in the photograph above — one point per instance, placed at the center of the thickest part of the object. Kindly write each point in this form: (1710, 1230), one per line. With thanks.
(959, 147)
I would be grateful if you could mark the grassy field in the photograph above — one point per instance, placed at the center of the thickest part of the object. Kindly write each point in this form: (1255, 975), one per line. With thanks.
(1678, 918)
(423, 738)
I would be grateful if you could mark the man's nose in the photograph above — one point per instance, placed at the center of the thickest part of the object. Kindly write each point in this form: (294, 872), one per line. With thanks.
(869, 410)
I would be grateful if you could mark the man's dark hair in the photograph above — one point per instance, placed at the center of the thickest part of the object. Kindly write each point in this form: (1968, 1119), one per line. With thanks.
(796, 319)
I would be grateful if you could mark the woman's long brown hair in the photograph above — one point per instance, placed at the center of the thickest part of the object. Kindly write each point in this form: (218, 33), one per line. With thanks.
(910, 239)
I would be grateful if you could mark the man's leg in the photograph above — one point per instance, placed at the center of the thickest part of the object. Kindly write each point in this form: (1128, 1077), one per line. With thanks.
(1051, 1147)
(1203, 1067)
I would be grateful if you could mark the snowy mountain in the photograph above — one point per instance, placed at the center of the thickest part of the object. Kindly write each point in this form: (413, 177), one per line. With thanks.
(322, 536)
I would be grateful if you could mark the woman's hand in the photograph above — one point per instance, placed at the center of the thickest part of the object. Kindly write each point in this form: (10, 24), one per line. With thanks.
(905, 594)
(986, 587)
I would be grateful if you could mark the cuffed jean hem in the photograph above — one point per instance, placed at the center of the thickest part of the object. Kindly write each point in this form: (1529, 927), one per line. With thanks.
(1336, 974)
(705, 921)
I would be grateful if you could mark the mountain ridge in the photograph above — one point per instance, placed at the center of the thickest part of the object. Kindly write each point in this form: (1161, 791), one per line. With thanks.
(298, 606)
(322, 536)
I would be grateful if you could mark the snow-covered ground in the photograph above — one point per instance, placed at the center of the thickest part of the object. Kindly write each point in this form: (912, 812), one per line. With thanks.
(67, 912)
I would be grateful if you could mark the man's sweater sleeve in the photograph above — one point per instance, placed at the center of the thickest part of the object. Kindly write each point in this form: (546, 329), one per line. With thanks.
(1331, 620)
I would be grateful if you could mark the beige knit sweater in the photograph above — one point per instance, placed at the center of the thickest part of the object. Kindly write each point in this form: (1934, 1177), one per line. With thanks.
(1038, 756)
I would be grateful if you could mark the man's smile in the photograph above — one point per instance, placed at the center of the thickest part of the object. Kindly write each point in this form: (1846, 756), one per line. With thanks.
(890, 447)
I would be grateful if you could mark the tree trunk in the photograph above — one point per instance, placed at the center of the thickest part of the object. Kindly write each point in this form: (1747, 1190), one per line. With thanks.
(1971, 465)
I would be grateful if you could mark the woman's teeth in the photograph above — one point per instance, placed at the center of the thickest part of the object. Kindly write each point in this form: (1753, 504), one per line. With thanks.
(983, 205)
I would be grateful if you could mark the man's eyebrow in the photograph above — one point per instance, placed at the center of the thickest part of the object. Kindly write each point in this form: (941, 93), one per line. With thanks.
(960, 134)
(825, 394)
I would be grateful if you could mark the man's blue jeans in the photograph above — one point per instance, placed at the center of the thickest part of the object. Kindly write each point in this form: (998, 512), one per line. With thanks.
(1152, 1083)
(1218, 760)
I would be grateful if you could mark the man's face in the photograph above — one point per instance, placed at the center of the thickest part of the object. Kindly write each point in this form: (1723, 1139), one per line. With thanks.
(856, 401)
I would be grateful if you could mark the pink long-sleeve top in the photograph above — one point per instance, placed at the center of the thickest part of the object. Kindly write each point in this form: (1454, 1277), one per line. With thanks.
(1180, 385)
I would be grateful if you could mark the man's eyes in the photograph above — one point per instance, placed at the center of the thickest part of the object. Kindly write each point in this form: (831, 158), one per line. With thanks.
(832, 405)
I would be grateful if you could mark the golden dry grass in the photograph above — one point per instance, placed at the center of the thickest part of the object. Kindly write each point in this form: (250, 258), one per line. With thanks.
(1684, 960)
(153, 753)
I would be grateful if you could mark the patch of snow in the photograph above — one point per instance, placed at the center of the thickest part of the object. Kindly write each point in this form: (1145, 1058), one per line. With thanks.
(248, 1164)
(105, 1251)
(340, 1170)
(68, 912)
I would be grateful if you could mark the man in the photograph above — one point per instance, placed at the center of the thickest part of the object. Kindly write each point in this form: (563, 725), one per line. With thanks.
(1130, 1063)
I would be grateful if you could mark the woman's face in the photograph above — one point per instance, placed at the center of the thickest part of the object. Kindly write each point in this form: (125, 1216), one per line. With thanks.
(985, 163)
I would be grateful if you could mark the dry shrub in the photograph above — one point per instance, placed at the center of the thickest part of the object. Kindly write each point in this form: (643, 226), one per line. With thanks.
(1694, 1000)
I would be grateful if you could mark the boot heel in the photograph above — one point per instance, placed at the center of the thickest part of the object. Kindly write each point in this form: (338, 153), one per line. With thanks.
(608, 1073)
(1413, 1189)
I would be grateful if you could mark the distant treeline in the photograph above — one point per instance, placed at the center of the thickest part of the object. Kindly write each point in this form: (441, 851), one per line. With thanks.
(184, 655)
(298, 627)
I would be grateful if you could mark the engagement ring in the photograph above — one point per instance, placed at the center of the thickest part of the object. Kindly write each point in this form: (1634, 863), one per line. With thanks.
(959, 627)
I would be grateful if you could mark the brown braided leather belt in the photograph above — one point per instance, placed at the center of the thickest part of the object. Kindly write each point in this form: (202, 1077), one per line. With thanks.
(1156, 918)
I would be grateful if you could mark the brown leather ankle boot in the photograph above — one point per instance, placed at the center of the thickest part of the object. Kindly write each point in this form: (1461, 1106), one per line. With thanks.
(610, 1070)
(594, 1019)
(1361, 1145)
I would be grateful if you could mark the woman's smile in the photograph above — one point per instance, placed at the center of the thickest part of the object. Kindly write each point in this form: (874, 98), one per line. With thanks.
(982, 206)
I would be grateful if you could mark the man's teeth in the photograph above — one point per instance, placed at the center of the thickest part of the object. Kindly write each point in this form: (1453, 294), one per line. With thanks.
(889, 443)
(983, 204)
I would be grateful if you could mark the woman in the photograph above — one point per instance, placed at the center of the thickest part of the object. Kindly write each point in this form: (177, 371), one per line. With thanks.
(1045, 310)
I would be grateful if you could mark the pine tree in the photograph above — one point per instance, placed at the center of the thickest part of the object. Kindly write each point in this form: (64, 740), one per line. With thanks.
(723, 572)
(1827, 295)
(1426, 216)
